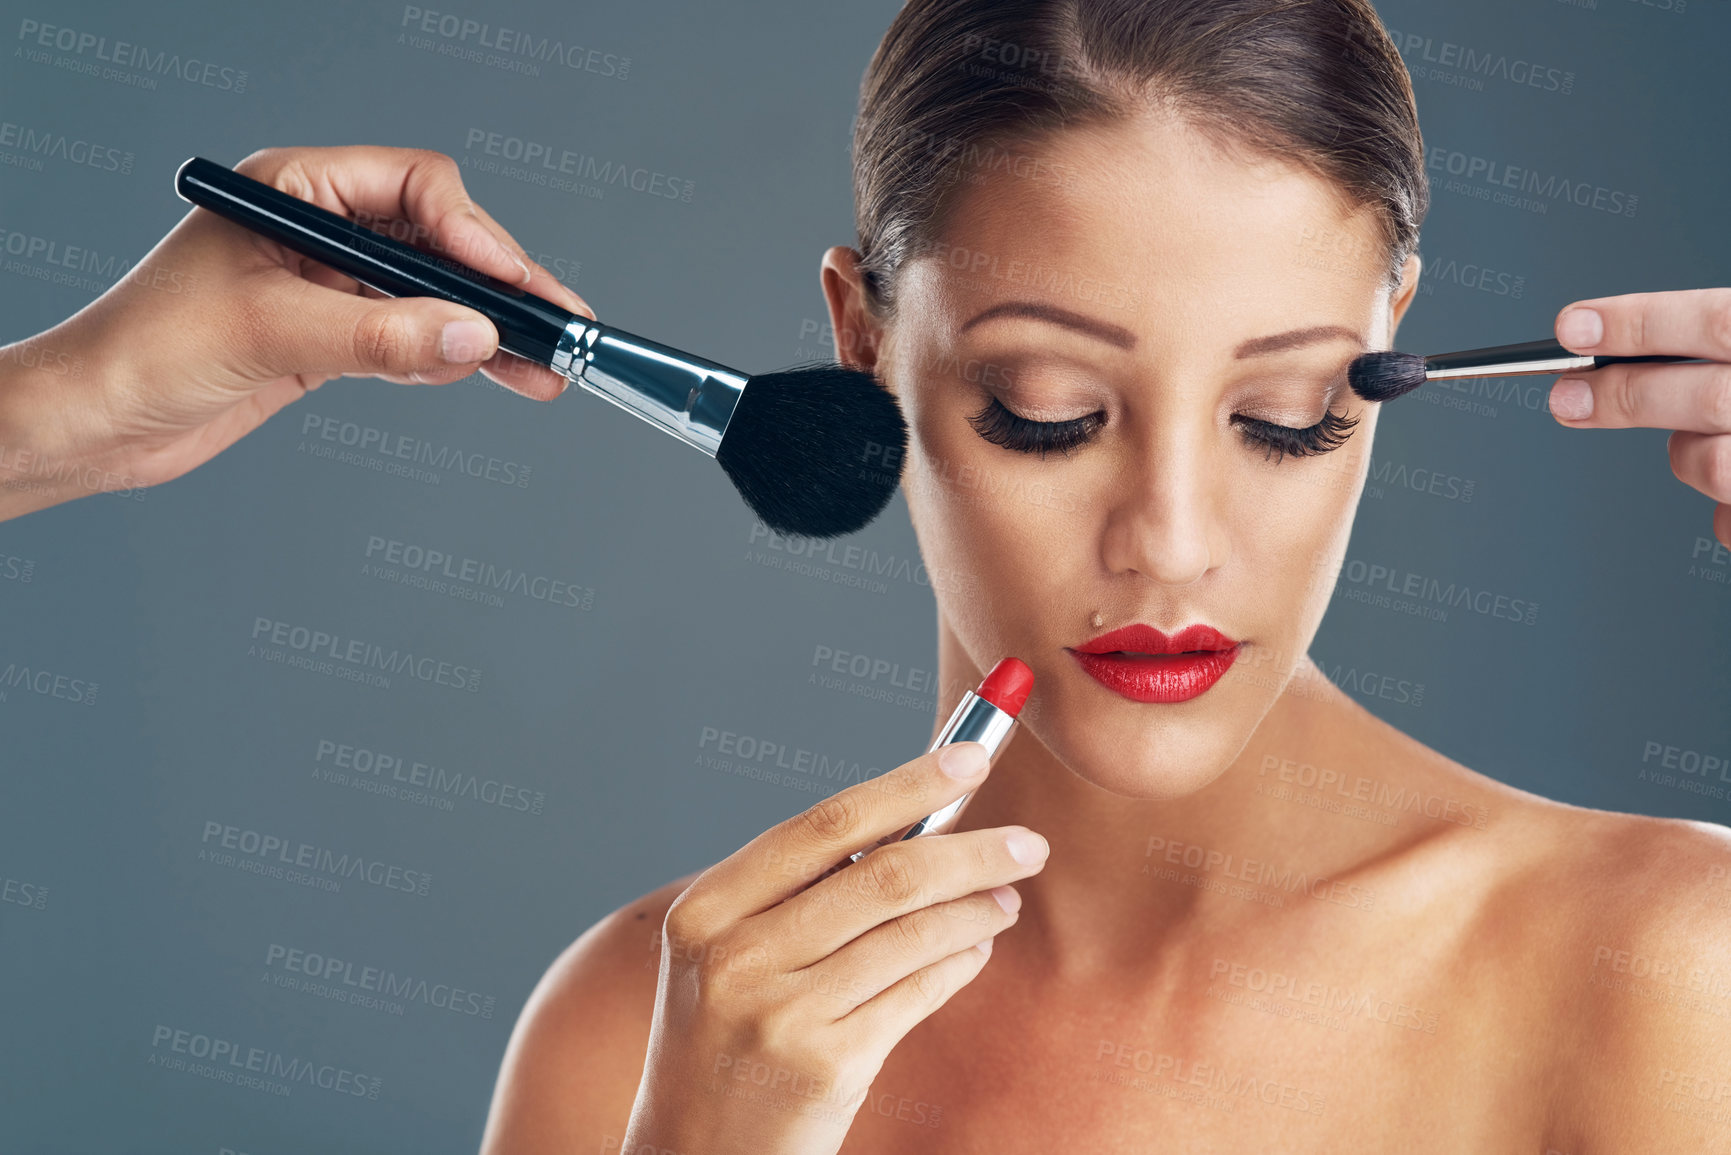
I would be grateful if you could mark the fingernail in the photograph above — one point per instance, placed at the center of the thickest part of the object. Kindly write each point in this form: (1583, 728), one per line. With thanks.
(484, 231)
(963, 759)
(984, 947)
(509, 253)
(463, 342)
(1581, 328)
(1027, 847)
(1572, 399)
(1008, 898)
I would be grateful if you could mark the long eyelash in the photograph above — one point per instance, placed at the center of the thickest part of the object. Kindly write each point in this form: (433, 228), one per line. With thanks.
(1326, 435)
(997, 424)
(1001, 427)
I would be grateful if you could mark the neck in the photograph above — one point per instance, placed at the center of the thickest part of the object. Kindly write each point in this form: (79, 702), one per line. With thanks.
(1128, 878)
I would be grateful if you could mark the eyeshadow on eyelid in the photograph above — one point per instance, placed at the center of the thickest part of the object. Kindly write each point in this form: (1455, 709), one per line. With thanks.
(1052, 407)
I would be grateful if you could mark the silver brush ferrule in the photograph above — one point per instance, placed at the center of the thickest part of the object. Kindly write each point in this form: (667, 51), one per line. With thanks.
(686, 396)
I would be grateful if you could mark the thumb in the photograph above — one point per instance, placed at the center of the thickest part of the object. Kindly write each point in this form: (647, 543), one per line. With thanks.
(409, 339)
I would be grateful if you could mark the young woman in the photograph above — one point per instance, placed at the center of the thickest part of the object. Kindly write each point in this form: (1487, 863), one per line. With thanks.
(1114, 259)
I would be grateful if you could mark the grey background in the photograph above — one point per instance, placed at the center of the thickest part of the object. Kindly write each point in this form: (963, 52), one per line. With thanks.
(692, 623)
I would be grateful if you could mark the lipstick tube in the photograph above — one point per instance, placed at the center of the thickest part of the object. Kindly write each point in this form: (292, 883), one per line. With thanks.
(988, 716)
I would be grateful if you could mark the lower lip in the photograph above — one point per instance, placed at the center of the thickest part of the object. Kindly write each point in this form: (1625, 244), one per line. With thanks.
(1166, 678)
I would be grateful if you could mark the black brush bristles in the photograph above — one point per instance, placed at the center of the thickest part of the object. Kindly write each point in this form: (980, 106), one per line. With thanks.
(815, 450)
(1386, 375)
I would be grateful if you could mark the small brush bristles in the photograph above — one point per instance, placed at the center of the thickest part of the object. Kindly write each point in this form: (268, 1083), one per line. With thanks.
(1385, 376)
(815, 450)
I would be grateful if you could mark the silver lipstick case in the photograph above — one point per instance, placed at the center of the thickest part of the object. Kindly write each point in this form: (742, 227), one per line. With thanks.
(686, 396)
(974, 720)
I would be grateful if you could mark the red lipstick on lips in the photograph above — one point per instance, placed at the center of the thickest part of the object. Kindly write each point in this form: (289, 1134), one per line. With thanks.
(1143, 664)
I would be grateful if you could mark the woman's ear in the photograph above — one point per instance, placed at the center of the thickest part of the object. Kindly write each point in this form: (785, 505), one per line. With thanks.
(1409, 275)
(856, 329)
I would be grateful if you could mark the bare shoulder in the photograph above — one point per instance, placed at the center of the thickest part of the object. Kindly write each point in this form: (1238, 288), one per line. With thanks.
(1603, 942)
(1650, 958)
(1577, 883)
(571, 1070)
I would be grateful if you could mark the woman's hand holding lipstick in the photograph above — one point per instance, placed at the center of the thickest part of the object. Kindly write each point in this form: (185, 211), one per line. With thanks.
(780, 997)
(1694, 400)
(215, 329)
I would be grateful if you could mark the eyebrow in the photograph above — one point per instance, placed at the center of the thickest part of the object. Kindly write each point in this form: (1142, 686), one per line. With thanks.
(1295, 339)
(1124, 339)
(1111, 334)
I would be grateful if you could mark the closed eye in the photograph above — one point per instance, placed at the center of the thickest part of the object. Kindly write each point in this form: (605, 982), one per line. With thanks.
(998, 424)
(1325, 436)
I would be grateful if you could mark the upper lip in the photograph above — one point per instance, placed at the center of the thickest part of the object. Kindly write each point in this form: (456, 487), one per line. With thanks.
(1144, 639)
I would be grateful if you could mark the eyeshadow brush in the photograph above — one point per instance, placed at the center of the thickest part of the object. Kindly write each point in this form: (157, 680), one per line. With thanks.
(1383, 376)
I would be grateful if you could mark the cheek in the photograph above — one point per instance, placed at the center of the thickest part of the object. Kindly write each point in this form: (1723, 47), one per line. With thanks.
(1000, 538)
(1302, 523)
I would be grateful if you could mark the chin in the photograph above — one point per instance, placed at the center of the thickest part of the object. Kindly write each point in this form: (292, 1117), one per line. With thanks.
(1138, 750)
(1153, 778)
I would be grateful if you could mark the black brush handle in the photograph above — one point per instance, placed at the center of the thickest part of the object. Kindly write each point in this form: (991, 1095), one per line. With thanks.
(529, 326)
(1526, 351)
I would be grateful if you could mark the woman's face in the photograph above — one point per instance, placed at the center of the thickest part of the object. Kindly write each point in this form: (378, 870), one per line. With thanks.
(1160, 304)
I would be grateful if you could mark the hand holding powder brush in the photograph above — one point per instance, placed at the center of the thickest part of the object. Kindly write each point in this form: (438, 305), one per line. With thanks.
(809, 449)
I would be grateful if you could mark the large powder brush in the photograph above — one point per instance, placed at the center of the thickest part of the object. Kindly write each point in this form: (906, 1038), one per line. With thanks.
(815, 450)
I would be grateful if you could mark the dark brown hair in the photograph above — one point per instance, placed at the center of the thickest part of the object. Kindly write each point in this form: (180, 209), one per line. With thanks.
(954, 82)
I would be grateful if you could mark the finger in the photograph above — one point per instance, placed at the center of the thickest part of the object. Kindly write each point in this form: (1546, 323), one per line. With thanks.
(317, 330)
(436, 375)
(895, 1012)
(874, 962)
(1702, 461)
(1695, 397)
(895, 881)
(521, 375)
(516, 373)
(784, 859)
(541, 282)
(378, 185)
(425, 191)
(1687, 323)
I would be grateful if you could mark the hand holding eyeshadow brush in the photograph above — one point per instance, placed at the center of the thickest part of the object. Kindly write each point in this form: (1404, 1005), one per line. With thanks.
(1383, 376)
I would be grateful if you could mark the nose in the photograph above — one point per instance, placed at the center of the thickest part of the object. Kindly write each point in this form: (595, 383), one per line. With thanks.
(1163, 521)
